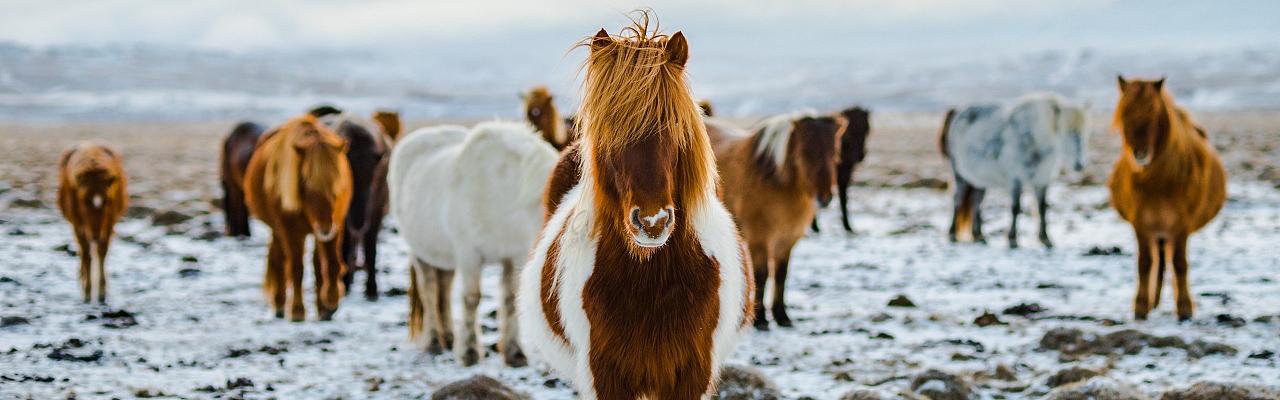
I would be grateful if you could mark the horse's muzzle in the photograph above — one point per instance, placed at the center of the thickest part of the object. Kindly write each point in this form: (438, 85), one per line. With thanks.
(654, 230)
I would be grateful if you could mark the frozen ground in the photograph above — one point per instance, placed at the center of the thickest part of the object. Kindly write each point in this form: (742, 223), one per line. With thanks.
(195, 324)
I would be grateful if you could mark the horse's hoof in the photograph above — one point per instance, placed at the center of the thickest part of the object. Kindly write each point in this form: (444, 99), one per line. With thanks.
(1139, 316)
(761, 325)
(470, 357)
(297, 315)
(1184, 318)
(780, 317)
(434, 348)
(1046, 242)
(1013, 243)
(515, 359)
(326, 315)
(371, 296)
(279, 314)
(783, 322)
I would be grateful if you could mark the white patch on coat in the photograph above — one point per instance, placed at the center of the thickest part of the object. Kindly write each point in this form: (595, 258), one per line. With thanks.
(720, 240)
(653, 219)
(97, 201)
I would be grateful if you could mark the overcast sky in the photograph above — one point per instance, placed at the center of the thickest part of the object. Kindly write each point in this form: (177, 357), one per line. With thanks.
(399, 25)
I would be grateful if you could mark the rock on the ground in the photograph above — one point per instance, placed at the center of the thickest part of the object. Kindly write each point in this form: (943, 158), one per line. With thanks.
(938, 385)
(479, 387)
(1097, 388)
(1071, 375)
(1222, 391)
(901, 301)
(740, 382)
(862, 394)
(1128, 341)
(169, 218)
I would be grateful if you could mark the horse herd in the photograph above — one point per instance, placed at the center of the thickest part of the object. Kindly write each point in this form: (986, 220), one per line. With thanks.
(635, 238)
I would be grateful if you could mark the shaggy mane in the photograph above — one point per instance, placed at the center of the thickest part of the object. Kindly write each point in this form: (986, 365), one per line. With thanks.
(285, 171)
(772, 136)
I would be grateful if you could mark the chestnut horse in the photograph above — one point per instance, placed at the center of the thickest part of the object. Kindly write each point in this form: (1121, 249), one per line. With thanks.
(1168, 183)
(540, 110)
(368, 152)
(92, 195)
(237, 148)
(770, 180)
(299, 183)
(638, 284)
(853, 149)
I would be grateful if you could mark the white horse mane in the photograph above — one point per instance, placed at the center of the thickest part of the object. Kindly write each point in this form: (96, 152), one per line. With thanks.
(774, 133)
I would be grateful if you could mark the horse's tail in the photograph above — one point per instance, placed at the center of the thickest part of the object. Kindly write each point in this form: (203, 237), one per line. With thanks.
(942, 137)
(415, 305)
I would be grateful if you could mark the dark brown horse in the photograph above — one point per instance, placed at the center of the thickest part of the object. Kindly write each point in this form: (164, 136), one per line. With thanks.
(853, 149)
(368, 152)
(92, 195)
(770, 180)
(237, 148)
(299, 183)
(1168, 183)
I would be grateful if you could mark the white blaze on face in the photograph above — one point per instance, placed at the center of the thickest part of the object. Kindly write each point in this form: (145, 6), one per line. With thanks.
(653, 219)
(97, 201)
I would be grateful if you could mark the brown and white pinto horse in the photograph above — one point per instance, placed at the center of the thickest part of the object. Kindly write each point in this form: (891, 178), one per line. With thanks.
(540, 110)
(770, 180)
(638, 285)
(299, 183)
(1168, 183)
(92, 195)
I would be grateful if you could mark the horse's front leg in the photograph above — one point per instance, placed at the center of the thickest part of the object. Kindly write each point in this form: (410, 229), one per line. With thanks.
(1042, 207)
(1142, 299)
(329, 269)
(1015, 201)
(101, 267)
(467, 350)
(86, 265)
(843, 177)
(295, 246)
(508, 342)
(370, 248)
(1181, 285)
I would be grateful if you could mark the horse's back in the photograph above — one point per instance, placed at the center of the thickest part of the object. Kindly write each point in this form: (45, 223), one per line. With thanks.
(501, 170)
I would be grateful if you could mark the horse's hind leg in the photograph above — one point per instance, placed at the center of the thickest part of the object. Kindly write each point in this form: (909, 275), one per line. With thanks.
(468, 350)
(508, 328)
(444, 306)
(350, 246)
(370, 248)
(1015, 201)
(1042, 208)
(1182, 287)
(427, 289)
(960, 216)
(779, 306)
(1142, 300)
(843, 177)
(975, 203)
(1162, 258)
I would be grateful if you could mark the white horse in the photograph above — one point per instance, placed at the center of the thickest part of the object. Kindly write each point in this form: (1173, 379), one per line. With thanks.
(464, 198)
(1024, 142)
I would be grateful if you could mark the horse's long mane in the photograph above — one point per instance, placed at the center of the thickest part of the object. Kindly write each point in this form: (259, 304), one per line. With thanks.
(631, 91)
(285, 169)
(771, 138)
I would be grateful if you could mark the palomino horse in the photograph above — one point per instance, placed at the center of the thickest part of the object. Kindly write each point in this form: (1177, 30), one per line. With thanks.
(237, 148)
(92, 195)
(1168, 183)
(368, 153)
(1025, 142)
(638, 285)
(540, 110)
(299, 183)
(853, 149)
(463, 198)
(770, 180)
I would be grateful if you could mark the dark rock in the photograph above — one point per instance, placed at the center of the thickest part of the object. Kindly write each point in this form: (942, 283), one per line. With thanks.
(926, 183)
(1222, 391)
(1097, 388)
(26, 203)
(13, 320)
(1024, 309)
(116, 319)
(1005, 373)
(66, 248)
(1070, 375)
(478, 387)
(938, 385)
(190, 259)
(1230, 320)
(189, 273)
(1128, 341)
(862, 394)
(395, 292)
(901, 301)
(169, 218)
(988, 319)
(739, 382)
(67, 352)
(139, 212)
(1262, 355)
(1104, 251)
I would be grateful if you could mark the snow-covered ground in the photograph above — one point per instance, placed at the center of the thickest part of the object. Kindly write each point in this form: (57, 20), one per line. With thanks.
(202, 324)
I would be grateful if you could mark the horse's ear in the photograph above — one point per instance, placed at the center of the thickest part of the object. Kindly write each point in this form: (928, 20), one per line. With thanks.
(342, 146)
(304, 142)
(1159, 84)
(600, 40)
(677, 49)
(1120, 78)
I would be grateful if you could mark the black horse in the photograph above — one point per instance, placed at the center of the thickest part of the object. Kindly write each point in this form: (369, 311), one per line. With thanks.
(237, 148)
(853, 148)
